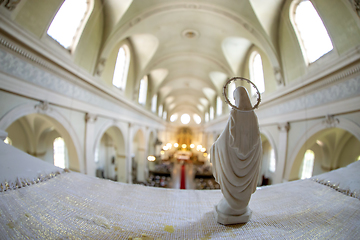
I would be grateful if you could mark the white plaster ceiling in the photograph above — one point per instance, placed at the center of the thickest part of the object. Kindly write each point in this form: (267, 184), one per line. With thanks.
(190, 48)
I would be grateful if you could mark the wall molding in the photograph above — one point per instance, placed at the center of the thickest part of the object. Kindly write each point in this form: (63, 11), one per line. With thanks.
(28, 90)
(77, 76)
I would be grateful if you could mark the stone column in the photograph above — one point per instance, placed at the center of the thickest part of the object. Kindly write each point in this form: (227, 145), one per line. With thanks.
(282, 152)
(129, 150)
(146, 152)
(90, 120)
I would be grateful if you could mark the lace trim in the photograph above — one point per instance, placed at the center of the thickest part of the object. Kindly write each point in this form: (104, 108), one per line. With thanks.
(336, 187)
(20, 182)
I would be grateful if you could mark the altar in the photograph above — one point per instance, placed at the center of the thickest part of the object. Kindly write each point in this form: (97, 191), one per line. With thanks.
(45, 202)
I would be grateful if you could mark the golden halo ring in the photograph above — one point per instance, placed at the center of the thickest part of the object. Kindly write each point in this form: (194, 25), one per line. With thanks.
(243, 79)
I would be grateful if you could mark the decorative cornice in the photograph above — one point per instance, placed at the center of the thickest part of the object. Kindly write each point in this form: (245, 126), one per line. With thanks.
(4, 42)
(13, 65)
(332, 93)
(59, 65)
(343, 75)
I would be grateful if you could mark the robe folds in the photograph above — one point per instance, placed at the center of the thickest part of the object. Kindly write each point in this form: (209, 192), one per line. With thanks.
(236, 155)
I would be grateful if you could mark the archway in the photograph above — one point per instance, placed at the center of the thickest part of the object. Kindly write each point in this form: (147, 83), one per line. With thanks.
(268, 164)
(35, 134)
(110, 156)
(332, 148)
(138, 157)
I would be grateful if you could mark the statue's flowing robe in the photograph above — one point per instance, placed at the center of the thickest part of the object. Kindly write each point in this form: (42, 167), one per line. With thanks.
(236, 157)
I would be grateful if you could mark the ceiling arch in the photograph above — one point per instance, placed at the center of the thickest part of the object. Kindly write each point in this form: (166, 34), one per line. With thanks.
(191, 58)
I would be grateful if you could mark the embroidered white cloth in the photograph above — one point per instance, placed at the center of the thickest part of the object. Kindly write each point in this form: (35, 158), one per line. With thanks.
(76, 206)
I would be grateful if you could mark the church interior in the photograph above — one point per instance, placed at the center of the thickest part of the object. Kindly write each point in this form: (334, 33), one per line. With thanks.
(133, 92)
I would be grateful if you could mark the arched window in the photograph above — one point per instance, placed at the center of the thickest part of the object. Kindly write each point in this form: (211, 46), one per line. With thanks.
(121, 67)
(165, 115)
(8, 141)
(174, 117)
(211, 113)
(311, 32)
(154, 103)
(272, 165)
(143, 90)
(256, 72)
(308, 164)
(69, 22)
(218, 106)
(185, 118)
(160, 112)
(207, 118)
(97, 154)
(197, 118)
(59, 152)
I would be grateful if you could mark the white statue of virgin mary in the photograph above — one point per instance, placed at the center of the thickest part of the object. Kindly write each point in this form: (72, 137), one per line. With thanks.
(236, 157)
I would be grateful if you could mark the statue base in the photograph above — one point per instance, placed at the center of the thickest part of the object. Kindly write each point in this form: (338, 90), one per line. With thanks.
(232, 219)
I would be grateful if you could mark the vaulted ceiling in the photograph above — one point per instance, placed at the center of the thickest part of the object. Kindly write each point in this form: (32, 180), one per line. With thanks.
(190, 48)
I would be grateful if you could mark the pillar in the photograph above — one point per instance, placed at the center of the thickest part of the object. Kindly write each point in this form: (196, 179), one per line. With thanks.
(90, 120)
(282, 152)
(129, 150)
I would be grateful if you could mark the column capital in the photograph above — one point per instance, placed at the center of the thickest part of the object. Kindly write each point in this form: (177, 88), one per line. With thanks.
(278, 76)
(90, 117)
(283, 127)
(43, 106)
(330, 121)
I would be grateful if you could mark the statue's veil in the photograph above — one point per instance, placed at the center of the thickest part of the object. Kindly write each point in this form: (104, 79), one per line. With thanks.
(243, 126)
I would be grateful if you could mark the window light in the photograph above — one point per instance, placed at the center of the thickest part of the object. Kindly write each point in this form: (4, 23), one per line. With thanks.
(121, 67)
(143, 90)
(207, 117)
(154, 103)
(67, 21)
(197, 118)
(174, 117)
(211, 113)
(59, 152)
(272, 164)
(185, 118)
(312, 34)
(160, 112)
(308, 164)
(96, 155)
(165, 115)
(218, 106)
(257, 73)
